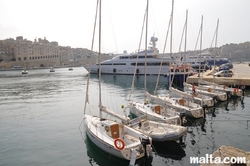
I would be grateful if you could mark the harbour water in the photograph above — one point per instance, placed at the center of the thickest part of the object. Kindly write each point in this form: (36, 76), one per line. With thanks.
(41, 117)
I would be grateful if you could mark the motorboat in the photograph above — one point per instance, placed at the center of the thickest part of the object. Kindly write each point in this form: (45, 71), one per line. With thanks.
(135, 62)
(159, 132)
(25, 71)
(52, 70)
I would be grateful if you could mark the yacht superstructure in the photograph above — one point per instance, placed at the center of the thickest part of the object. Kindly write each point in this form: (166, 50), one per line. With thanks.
(135, 62)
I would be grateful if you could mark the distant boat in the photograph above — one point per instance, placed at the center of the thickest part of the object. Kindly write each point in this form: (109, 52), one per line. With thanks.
(25, 71)
(16, 67)
(52, 70)
(70, 69)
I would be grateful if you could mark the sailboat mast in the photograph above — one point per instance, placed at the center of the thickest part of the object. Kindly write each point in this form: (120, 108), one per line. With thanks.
(99, 61)
(200, 45)
(216, 38)
(90, 60)
(146, 44)
(171, 38)
(171, 32)
(216, 35)
(185, 46)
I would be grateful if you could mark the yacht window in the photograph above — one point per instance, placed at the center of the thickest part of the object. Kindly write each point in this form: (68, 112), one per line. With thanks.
(165, 64)
(138, 64)
(119, 64)
(142, 56)
(151, 64)
(124, 57)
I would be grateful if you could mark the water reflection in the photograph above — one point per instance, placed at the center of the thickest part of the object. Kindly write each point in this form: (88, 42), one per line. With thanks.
(125, 81)
(169, 149)
(101, 158)
(231, 104)
(194, 122)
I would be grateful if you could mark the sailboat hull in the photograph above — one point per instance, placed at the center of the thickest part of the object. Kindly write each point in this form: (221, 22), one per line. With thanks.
(166, 116)
(180, 105)
(98, 133)
(203, 100)
(218, 95)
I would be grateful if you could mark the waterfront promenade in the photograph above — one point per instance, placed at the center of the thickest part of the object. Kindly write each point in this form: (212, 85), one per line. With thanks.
(241, 76)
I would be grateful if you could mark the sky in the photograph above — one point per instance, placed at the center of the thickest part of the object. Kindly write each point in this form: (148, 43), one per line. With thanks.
(71, 23)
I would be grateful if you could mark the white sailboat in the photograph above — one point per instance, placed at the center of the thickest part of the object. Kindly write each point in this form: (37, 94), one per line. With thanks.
(109, 135)
(203, 100)
(155, 120)
(236, 92)
(218, 95)
(178, 104)
(215, 94)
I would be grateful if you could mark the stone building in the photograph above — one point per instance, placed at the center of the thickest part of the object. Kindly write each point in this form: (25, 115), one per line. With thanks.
(39, 53)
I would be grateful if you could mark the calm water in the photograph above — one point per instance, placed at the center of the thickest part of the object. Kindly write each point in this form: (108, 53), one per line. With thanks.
(41, 120)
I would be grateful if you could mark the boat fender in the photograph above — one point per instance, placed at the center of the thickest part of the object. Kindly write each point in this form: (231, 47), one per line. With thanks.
(114, 70)
(182, 117)
(184, 120)
(235, 90)
(137, 71)
(119, 144)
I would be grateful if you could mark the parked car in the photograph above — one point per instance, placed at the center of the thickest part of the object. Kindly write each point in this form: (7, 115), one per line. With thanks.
(226, 66)
(224, 73)
(223, 67)
(230, 65)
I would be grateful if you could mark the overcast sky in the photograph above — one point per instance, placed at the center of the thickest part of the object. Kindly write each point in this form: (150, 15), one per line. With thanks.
(71, 23)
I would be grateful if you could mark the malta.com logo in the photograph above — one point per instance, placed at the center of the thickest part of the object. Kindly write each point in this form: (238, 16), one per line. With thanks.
(209, 159)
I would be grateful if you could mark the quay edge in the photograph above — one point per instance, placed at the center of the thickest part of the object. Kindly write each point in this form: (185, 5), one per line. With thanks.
(241, 76)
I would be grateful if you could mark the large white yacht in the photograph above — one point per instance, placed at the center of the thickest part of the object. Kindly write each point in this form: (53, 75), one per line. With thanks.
(130, 64)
